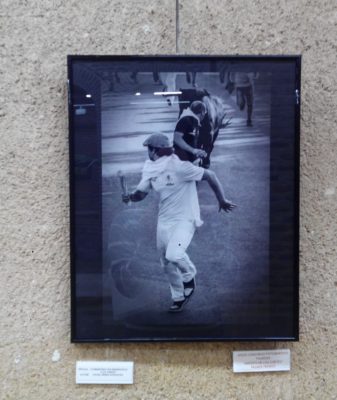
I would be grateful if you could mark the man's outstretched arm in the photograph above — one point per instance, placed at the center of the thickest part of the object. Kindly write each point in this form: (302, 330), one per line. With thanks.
(216, 186)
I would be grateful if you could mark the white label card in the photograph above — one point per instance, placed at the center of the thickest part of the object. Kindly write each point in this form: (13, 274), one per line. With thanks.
(261, 360)
(104, 372)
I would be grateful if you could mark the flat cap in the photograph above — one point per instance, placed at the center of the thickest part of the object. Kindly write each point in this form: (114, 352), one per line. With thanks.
(157, 140)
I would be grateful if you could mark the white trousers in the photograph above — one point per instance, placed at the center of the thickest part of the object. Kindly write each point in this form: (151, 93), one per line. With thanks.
(172, 243)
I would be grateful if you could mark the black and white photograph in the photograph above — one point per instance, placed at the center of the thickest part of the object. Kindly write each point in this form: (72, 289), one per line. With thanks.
(184, 197)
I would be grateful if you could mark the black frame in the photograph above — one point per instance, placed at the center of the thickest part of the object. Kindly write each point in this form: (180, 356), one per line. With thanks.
(88, 217)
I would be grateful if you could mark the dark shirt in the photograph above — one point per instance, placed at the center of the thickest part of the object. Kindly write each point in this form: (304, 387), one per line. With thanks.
(188, 126)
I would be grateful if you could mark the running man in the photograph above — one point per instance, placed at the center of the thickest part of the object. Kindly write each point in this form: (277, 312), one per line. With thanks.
(244, 84)
(187, 131)
(179, 212)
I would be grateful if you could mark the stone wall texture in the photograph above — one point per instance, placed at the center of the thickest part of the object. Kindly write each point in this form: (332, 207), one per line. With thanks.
(37, 360)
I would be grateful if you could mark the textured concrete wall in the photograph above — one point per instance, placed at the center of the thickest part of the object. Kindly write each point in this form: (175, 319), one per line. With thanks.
(36, 359)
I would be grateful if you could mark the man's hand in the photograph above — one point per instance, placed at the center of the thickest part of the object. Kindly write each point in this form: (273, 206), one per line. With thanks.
(199, 153)
(226, 205)
(126, 198)
(138, 195)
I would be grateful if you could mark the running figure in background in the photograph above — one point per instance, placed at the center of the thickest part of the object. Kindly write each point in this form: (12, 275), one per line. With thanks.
(194, 77)
(168, 79)
(179, 212)
(244, 84)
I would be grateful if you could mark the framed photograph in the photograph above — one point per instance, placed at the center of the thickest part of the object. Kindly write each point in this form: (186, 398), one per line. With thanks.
(184, 198)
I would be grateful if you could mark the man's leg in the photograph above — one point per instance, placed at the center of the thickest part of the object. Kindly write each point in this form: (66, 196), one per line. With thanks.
(176, 250)
(194, 78)
(171, 270)
(240, 100)
(249, 98)
(175, 279)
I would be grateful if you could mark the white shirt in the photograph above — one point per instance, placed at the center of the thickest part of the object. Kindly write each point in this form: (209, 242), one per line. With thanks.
(174, 180)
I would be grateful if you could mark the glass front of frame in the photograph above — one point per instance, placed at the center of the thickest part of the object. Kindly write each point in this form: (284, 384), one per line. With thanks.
(154, 269)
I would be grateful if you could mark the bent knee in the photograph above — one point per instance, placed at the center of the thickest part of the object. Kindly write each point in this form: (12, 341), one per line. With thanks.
(174, 255)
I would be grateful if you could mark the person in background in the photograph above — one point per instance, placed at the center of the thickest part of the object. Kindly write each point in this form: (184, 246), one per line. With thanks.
(243, 82)
(186, 132)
